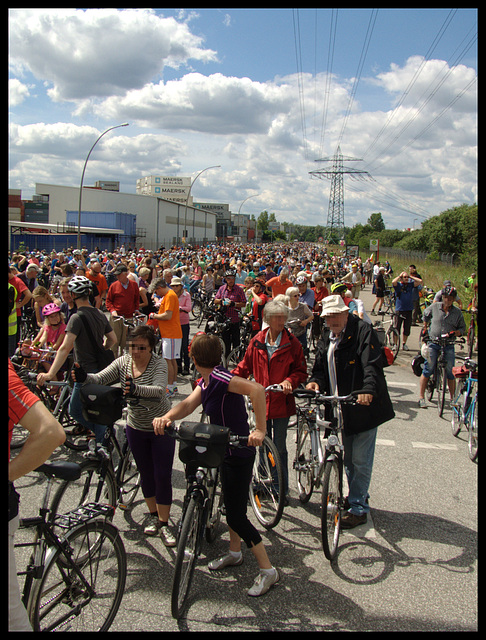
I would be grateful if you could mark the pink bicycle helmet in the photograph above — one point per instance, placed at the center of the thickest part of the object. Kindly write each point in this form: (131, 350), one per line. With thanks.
(50, 308)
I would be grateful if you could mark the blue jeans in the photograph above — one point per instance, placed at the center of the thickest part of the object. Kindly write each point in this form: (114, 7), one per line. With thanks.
(434, 350)
(76, 412)
(359, 452)
(277, 431)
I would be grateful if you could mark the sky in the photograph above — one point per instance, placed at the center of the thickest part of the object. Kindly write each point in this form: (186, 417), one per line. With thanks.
(267, 94)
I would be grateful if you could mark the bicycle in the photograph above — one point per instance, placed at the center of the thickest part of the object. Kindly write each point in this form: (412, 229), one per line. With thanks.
(465, 405)
(202, 449)
(438, 379)
(76, 435)
(114, 479)
(316, 466)
(75, 580)
(391, 338)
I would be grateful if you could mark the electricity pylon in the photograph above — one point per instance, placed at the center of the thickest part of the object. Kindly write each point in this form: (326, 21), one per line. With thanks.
(335, 216)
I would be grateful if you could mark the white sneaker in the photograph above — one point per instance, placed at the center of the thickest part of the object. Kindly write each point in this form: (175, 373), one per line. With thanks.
(167, 536)
(422, 403)
(225, 561)
(151, 525)
(263, 583)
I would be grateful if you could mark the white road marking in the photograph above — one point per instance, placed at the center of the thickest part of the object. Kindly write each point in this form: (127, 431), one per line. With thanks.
(385, 443)
(434, 445)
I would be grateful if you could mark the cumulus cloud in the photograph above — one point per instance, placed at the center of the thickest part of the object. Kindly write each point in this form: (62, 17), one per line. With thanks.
(99, 52)
(211, 104)
(18, 92)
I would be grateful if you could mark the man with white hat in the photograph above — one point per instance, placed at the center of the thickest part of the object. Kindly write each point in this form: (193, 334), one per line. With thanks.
(349, 358)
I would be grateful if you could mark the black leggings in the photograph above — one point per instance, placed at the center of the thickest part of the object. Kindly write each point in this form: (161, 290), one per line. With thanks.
(236, 474)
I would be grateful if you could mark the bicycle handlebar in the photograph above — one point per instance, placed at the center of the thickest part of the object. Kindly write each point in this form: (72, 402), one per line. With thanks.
(317, 395)
(234, 440)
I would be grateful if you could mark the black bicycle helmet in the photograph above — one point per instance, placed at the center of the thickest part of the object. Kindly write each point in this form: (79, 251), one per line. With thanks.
(230, 273)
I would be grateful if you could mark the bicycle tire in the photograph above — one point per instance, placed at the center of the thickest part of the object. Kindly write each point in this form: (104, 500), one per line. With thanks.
(129, 480)
(429, 390)
(303, 462)
(88, 488)
(441, 389)
(214, 505)
(196, 309)
(77, 437)
(392, 341)
(266, 497)
(457, 414)
(188, 548)
(331, 501)
(60, 601)
(473, 430)
(235, 356)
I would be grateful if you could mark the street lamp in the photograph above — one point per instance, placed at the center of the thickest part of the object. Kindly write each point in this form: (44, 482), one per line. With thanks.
(125, 124)
(217, 166)
(253, 196)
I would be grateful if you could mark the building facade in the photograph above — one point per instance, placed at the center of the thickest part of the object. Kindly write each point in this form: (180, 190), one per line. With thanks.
(158, 221)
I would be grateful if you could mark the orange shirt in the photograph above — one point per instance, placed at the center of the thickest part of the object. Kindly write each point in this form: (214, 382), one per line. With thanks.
(170, 328)
(99, 280)
(278, 287)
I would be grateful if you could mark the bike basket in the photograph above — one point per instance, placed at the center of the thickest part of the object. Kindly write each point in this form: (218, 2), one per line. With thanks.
(202, 444)
(102, 405)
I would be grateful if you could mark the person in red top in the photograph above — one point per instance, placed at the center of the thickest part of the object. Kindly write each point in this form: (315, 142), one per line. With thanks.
(279, 284)
(123, 297)
(275, 356)
(320, 292)
(23, 296)
(94, 274)
(259, 300)
(45, 435)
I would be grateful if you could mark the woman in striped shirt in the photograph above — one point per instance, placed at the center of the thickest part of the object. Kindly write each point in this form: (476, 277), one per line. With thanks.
(144, 375)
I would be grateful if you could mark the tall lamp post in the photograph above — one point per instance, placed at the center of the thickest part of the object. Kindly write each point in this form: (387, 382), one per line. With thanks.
(217, 166)
(125, 124)
(254, 196)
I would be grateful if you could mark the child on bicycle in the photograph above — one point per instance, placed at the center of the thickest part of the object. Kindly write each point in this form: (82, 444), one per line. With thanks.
(221, 395)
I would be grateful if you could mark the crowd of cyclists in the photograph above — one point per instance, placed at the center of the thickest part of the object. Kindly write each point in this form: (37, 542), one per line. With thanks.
(126, 317)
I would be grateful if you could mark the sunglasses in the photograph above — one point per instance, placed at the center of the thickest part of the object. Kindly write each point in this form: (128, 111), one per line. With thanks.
(136, 347)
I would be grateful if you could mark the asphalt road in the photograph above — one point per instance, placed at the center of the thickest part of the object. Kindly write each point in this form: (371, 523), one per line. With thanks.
(412, 567)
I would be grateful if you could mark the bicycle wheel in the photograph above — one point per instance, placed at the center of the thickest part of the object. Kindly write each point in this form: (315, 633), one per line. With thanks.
(95, 484)
(214, 506)
(196, 309)
(128, 480)
(429, 391)
(441, 384)
(63, 600)
(331, 502)
(303, 461)
(392, 341)
(457, 413)
(235, 356)
(473, 430)
(188, 548)
(77, 436)
(266, 498)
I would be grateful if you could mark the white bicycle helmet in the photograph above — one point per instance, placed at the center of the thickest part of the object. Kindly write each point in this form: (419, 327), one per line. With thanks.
(79, 285)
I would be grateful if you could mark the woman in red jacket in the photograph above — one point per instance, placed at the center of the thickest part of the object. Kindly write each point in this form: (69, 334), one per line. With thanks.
(275, 356)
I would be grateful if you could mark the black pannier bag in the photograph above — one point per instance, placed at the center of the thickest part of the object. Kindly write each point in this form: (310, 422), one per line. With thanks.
(202, 444)
(102, 405)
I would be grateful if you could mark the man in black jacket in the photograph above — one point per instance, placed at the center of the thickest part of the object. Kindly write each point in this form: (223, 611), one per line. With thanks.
(349, 358)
